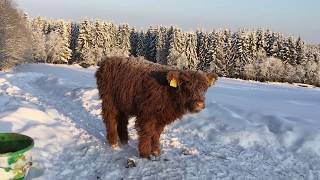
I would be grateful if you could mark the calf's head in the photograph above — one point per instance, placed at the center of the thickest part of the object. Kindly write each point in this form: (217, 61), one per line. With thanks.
(190, 87)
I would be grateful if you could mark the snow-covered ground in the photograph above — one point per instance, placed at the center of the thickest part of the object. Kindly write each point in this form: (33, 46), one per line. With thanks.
(248, 130)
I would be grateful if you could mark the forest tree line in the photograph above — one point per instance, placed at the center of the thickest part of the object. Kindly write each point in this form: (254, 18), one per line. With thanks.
(248, 54)
(259, 54)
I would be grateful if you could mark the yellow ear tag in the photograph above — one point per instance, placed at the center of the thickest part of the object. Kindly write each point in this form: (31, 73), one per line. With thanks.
(173, 83)
(210, 82)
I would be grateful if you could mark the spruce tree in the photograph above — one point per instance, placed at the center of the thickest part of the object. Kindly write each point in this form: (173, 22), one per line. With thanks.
(215, 54)
(134, 42)
(299, 49)
(38, 46)
(191, 51)
(176, 47)
(73, 42)
(85, 44)
(227, 49)
(202, 51)
(269, 42)
(252, 46)
(38, 40)
(260, 39)
(110, 45)
(162, 45)
(123, 40)
(64, 30)
(239, 57)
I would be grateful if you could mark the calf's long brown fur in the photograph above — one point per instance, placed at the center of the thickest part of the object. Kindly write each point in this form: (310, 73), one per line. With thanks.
(155, 94)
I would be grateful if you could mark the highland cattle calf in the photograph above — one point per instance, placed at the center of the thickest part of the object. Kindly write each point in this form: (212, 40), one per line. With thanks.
(155, 94)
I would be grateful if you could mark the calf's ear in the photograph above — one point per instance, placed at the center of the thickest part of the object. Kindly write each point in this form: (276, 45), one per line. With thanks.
(173, 78)
(212, 78)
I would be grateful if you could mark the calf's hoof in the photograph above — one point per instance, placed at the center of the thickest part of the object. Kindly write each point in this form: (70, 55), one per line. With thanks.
(151, 157)
(115, 147)
(154, 158)
(156, 153)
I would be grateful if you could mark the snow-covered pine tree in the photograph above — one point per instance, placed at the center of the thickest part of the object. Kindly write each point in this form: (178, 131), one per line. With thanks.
(150, 43)
(123, 40)
(280, 47)
(162, 45)
(137, 43)
(191, 51)
(38, 23)
(292, 50)
(176, 57)
(140, 45)
(110, 45)
(53, 47)
(299, 49)
(227, 48)
(65, 32)
(239, 57)
(285, 51)
(269, 41)
(215, 52)
(260, 39)
(73, 41)
(312, 53)
(98, 34)
(98, 43)
(134, 35)
(38, 46)
(182, 49)
(252, 46)
(288, 51)
(202, 51)
(38, 40)
(85, 44)
(46, 26)
(61, 31)
(222, 53)
(273, 47)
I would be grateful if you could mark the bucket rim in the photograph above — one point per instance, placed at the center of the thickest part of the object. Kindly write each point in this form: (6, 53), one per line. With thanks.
(21, 151)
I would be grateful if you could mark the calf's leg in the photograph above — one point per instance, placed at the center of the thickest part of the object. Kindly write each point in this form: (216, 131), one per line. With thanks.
(145, 132)
(155, 141)
(109, 113)
(123, 128)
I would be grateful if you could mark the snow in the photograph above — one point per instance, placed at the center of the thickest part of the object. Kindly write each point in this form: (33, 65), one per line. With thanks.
(248, 130)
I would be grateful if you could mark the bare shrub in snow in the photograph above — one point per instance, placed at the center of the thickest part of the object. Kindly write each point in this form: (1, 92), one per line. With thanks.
(271, 69)
(300, 74)
(250, 71)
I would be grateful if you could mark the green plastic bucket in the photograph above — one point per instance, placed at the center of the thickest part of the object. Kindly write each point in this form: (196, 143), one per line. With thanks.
(15, 156)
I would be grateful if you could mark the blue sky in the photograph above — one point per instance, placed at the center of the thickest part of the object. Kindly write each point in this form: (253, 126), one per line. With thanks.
(296, 17)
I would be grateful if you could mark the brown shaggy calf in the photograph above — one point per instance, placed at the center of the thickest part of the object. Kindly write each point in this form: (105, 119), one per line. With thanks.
(156, 94)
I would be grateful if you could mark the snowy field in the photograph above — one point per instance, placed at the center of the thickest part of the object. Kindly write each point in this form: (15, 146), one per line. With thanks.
(249, 130)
